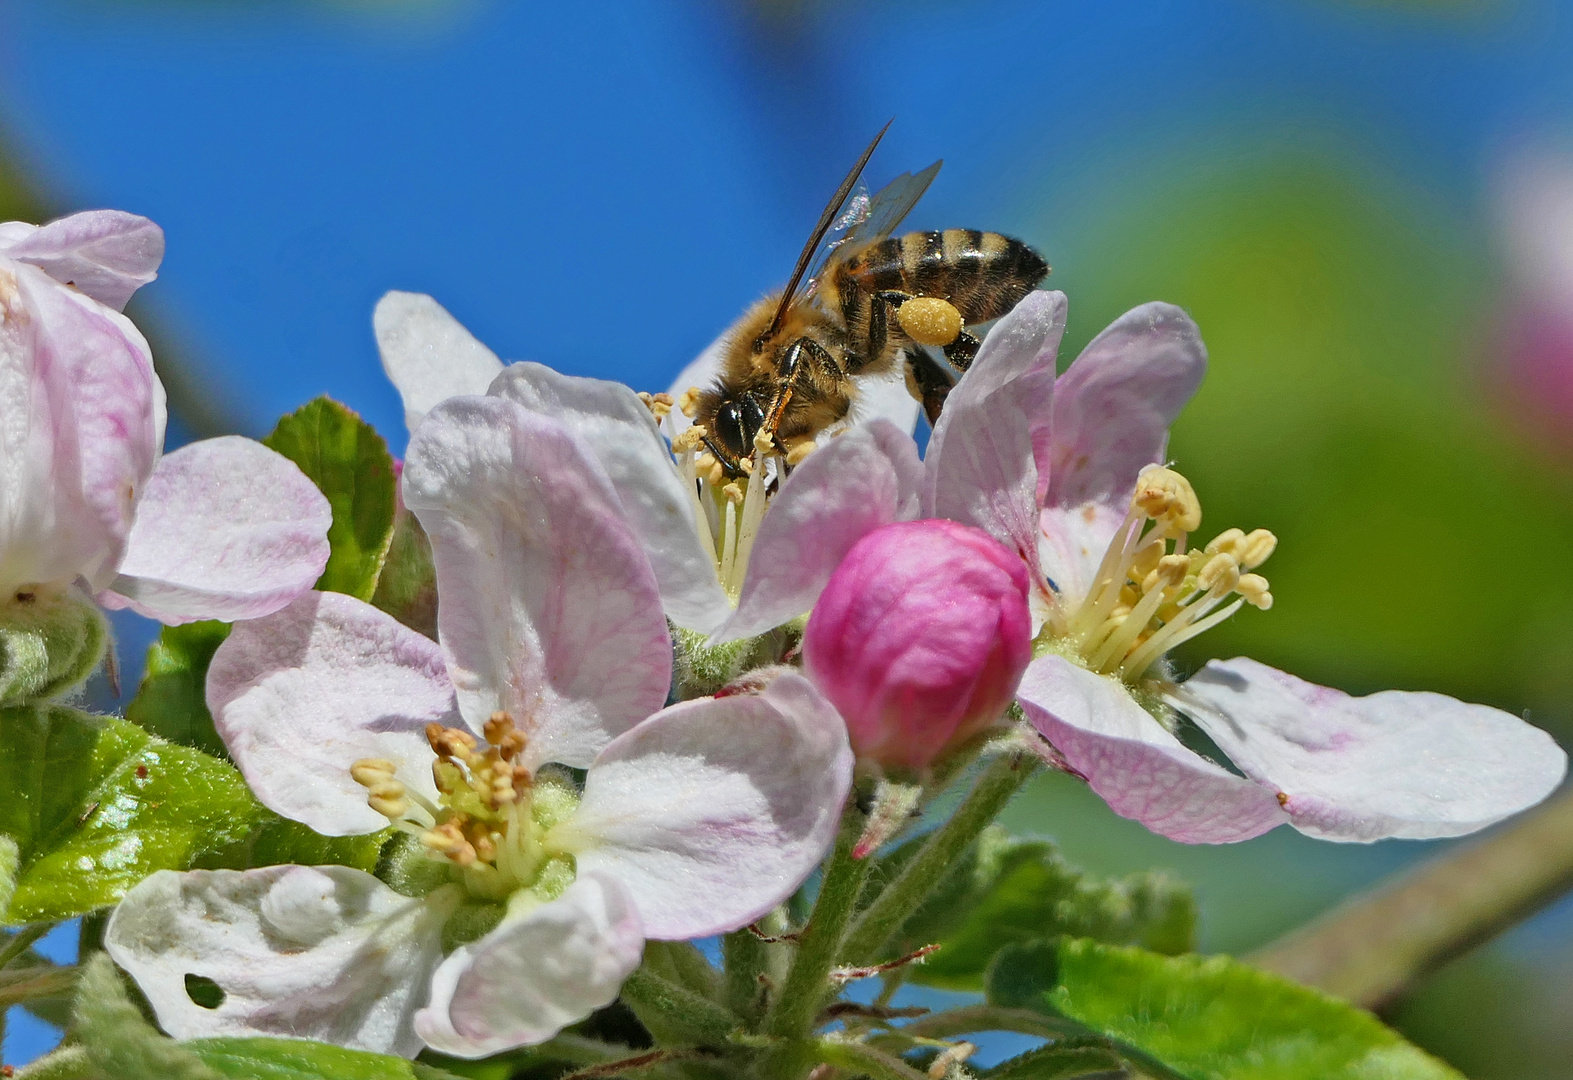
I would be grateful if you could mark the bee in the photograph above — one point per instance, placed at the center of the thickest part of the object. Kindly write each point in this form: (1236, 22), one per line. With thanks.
(790, 365)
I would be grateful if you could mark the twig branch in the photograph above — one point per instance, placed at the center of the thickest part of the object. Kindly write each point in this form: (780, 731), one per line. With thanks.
(1374, 948)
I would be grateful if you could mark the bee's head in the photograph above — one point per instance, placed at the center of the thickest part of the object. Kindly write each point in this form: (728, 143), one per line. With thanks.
(738, 418)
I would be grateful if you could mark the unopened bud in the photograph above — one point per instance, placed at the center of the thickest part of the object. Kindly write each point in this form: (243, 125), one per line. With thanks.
(920, 638)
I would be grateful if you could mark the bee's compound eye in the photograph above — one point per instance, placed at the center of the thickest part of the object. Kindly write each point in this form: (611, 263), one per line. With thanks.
(929, 320)
(733, 429)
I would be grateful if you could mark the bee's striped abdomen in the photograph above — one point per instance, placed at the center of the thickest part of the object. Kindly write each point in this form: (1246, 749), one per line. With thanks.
(983, 273)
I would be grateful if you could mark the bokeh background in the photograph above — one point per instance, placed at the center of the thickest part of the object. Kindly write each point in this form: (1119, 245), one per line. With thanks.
(1368, 207)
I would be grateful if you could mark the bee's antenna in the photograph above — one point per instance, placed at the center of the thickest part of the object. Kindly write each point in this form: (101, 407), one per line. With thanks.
(825, 221)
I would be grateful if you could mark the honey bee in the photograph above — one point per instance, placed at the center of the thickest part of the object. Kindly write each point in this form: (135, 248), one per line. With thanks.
(790, 365)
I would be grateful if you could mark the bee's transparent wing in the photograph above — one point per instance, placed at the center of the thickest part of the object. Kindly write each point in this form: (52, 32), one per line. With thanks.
(871, 217)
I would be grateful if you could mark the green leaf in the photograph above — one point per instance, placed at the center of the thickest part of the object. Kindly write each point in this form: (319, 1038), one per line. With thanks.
(171, 702)
(298, 1059)
(1010, 890)
(1060, 1062)
(96, 804)
(346, 458)
(278, 842)
(407, 586)
(1208, 1018)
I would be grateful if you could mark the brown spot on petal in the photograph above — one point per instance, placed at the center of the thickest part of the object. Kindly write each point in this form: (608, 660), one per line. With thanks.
(1283, 800)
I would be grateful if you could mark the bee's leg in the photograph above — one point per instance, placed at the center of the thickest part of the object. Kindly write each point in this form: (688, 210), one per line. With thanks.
(928, 382)
(791, 369)
(961, 351)
(879, 309)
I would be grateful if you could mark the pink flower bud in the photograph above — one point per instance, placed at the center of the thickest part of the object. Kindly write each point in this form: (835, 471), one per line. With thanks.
(920, 638)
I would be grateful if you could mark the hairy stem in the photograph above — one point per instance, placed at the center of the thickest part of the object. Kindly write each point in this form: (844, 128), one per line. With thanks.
(1372, 949)
(990, 792)
(856, 1057)
(674, 1014)
(792, 1013)
(66, 1063)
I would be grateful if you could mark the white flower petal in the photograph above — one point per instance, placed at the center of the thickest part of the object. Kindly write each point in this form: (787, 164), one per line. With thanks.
(869, 477)
(319, 952)
(622, 434)
(714, 811)
(1114, 404)
(301, 695)
(886, 397)
(81, 424)
(548, 609)
(1396, 763)
(532, 976)
(428, 354)
(1138, 767)
(107, 254)
(225, 529)
(1071, 544)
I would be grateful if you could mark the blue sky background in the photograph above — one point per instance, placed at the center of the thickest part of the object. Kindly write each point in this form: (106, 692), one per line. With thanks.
(604, 186)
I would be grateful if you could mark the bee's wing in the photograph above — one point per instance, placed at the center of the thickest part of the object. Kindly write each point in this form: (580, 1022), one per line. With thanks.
(888, 207)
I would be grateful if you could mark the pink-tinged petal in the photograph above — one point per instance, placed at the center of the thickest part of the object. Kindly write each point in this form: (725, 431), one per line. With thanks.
(81, 421)
(920, 639)
(984, 473)
(548, 607)
(1114, 404)
(13, 233)
(301, 695)
(1393, 764)
(980, 467)
(428, 355)
(620, 430)
(701, 371)
(225, 529)
(107, 254)
(714, 811)
(1135, 764)
(306, 952)
(1071, 543)
(533, 976)
(868, 477)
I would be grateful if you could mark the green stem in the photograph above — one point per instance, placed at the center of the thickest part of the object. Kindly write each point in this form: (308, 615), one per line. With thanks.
(581, 1050)
(1373, 948)
(25, 984)
(675, 1015)
(973, 1018)
(19, 942)
(685, 965)
(792, 1013)
(856, 1057)
(905, 894)
(744, 957)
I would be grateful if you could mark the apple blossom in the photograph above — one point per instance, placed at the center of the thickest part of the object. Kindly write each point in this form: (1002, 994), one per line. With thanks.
(919, 639)
(223, 528)
(553, 651)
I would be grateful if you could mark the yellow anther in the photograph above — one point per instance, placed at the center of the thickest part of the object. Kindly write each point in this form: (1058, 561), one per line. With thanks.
(747, 465)
(1145, 561)
(800, 450)
(485, 848)
(688, 402)
(1254, 588)
(733, 492)
(1257, 548)
(659, 404)
(765, 443)
(370, 771)
(716, 475)
(1167, 497)
(388, 799)
(690, 438)
(1220, 570)
(449, 742)
(447, 776)
(448, 839)
(930, 320)
(500, 732)
(1169, 572)
(1227, 542)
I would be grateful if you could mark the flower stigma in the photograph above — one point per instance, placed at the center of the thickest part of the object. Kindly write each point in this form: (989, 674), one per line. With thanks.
(727, 513)
(1152, 591)
(491, 816)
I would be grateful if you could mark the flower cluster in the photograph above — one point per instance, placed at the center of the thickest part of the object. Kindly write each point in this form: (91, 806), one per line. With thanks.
(657, 697)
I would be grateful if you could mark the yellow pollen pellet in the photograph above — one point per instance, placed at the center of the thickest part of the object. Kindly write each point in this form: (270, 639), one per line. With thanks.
(688, 402)
(1257, 548)
(930, 320)
(800, 450)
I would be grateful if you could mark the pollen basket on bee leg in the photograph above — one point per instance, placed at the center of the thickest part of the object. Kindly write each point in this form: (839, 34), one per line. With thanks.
(930, 320)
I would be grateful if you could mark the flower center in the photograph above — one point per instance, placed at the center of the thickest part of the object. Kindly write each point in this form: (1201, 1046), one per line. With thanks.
(491, 815)
(726, 512)
(1152, 592)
